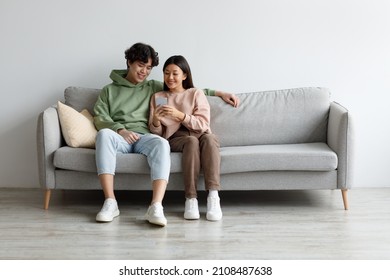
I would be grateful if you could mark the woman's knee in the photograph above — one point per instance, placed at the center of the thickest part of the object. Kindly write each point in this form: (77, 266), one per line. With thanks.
(209, 139)
(192, 140)
(191, 148)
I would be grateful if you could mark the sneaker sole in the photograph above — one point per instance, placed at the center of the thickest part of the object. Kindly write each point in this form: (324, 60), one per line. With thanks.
(191, 217)
(213, 218)
(157, 222)
(107, 219)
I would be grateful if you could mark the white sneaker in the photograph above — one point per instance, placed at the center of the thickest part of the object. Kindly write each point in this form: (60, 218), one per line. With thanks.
(214, 212)
(109, 211)
(191, 209)
(155, 215)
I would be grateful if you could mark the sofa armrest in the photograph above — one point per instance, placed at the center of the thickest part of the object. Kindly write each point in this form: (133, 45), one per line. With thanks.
(340, 139)
(49, 139)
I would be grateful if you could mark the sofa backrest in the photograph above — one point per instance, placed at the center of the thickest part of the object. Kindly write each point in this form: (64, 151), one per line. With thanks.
(272, 117)
(269, 117)
(81, 98)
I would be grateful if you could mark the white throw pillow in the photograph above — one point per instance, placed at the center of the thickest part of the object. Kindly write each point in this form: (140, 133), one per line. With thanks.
(77, 128)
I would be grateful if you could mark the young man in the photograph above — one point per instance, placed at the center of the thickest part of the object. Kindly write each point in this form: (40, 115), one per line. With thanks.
(121, 116)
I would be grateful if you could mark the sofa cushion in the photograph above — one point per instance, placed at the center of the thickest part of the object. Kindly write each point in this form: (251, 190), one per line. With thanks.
(288, 116)
(77, 127)
(295, 157)
(80, 159)
(291, 157)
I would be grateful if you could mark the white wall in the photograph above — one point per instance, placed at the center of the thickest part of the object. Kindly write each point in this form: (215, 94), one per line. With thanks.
(237, 46)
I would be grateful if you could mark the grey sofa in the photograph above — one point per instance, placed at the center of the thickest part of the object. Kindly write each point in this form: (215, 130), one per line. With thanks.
(275, 140)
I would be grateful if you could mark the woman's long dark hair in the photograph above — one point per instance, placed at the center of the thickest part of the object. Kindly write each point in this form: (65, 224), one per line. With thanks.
(182, 63)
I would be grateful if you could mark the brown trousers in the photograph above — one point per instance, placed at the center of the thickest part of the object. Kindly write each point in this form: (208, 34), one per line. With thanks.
(199, 151)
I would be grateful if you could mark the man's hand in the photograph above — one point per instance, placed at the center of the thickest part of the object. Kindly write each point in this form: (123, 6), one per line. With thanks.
(229, 98)
(129, 136)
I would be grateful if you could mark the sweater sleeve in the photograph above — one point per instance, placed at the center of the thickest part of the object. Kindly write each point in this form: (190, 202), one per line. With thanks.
(102, 117)
(157, 86)
(199, 120)
(209, 92)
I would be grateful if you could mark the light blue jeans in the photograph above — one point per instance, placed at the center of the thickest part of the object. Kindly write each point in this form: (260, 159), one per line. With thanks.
(155, 148)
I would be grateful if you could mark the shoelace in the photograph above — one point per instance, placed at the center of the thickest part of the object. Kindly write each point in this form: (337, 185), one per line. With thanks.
(156, 210)
(192, 204)
(107, 205)
(213, 204)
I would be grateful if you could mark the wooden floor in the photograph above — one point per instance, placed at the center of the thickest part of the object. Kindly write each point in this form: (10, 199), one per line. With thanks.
(267, 225)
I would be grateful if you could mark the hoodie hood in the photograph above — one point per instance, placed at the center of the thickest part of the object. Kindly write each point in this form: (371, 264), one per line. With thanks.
(119, 78)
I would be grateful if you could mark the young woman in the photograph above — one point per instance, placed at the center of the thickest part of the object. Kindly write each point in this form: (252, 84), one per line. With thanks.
(181, 114)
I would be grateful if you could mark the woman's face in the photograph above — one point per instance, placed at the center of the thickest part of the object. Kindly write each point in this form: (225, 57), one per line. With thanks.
(174, 77)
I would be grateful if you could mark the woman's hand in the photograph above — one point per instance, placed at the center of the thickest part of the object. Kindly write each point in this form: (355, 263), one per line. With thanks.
(157, 115)
(172, 113)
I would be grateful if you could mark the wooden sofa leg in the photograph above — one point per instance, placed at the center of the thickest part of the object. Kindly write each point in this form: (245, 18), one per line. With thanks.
(345, 198)
(47, 199)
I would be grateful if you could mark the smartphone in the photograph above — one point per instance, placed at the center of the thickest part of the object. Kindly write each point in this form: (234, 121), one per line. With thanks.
(161, 101)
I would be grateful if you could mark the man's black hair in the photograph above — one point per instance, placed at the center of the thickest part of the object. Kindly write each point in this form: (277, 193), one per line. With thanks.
(141, 52)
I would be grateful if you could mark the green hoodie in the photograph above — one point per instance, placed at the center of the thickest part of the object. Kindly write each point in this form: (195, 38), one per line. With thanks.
(122, 104)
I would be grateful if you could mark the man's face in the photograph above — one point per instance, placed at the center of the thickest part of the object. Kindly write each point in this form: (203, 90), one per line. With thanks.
(138, 71)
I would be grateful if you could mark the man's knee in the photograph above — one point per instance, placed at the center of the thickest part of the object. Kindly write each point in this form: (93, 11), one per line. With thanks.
(104, 134)
(161, 144)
